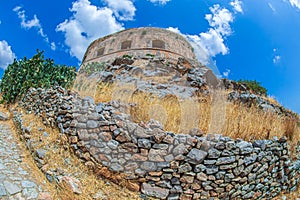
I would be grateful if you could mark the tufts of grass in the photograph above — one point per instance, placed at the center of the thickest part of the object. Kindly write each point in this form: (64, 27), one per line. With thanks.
(28, 162)
(84, 86)
(208, 113)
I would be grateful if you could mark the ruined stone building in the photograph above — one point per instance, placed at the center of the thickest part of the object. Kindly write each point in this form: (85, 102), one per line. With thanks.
(139, 42)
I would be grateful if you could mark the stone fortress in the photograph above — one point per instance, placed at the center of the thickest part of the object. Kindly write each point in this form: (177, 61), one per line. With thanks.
(139, 42)
(153, 53)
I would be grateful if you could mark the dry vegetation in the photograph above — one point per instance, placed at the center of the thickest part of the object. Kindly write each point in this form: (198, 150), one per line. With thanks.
(85, 87)
(209, 114)
(27, 161)
(239, 121)
(61, 158)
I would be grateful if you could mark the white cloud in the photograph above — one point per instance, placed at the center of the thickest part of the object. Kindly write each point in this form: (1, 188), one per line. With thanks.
(27, 24)
(175, 30)
(220, 19)
(237, 6)
(210, 43)
(295, 3)
(276, 59)
(6, 54)
(35, 22)
(213, 42)
(200, 52)
(123, 9)
(226, 73)
(195, 41)
(272, 7)
(87, 24)
(53, 46)
(32, 23)
(161, 2)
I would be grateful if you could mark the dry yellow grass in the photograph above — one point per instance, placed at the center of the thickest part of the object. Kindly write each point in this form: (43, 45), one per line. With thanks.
(61, 158)
(84, 86)
(210, 114)
(272, 100)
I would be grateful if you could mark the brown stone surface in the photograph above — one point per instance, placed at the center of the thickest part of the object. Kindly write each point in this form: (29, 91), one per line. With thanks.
(142, 43)
(133, 186)
(44, 196)
(154, 191)
(72, 184)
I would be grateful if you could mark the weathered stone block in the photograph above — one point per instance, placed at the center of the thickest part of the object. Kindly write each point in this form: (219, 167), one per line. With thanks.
(158, 135)
(105, 136)
(113, 144)
(154, 191)
(212, 169)
(202, 176)
(148, 166)
(116, 167)
(168, 139)
(199, 168)
(130, 147)
(225, 160)
(123, 137)
(184, 168)
(180, 149)
(144, 143)
(196, 156)
(245, 147)
(156, 155)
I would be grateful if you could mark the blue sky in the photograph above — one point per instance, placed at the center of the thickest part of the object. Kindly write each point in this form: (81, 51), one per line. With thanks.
(256, 40)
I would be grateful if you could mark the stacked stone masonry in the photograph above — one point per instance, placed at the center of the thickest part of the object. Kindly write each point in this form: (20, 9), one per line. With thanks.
(163, 164)
(139, 42)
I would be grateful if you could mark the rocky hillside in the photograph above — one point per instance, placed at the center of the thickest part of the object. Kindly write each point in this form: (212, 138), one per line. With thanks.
(166, 129)
(182, 80)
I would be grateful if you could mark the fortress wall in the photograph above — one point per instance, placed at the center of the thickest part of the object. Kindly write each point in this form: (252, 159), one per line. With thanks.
(140, 53)
(162, 164)
(142, 42)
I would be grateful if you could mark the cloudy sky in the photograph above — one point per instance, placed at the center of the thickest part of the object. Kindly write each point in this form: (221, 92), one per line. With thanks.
(255, 40)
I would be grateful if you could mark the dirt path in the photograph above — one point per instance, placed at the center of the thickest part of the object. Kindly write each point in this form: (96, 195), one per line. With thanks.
(18, 175)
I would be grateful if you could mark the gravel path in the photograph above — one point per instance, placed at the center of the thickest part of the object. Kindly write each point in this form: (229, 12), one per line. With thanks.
(16, 181)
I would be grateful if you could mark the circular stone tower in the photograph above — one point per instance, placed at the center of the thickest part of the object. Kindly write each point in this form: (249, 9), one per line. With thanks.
(139, 42)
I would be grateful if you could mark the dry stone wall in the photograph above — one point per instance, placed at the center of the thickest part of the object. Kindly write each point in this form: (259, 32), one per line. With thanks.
(163, 164)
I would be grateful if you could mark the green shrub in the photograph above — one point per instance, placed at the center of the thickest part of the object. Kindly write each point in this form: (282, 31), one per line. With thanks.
(34, 72)
(150, 55)
(254, 86)
(92, 67)
(144, 32)
(127, 56)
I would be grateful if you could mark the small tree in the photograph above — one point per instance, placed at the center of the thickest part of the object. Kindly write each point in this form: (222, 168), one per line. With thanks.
(254, 86)
(34, 72)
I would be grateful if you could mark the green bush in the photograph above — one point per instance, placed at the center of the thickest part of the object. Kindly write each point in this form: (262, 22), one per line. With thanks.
(34, 72)
(127, 56)
(254, 86)
(150, 55)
